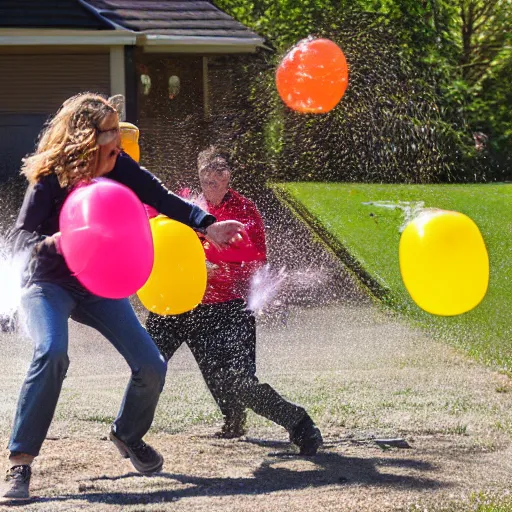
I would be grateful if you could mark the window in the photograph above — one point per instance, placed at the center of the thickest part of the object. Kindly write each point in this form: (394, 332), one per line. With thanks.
(145, 80)
(174, 86)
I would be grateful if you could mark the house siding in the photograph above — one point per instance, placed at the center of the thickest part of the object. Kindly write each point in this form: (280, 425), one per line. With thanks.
(33, 89)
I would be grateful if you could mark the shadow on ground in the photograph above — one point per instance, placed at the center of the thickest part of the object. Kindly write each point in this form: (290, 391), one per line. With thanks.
(330, 469)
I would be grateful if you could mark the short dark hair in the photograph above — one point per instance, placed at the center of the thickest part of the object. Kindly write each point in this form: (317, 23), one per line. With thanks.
(209, 155)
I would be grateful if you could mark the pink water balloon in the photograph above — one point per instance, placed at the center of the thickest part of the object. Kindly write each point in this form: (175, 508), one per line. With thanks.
(106, 238)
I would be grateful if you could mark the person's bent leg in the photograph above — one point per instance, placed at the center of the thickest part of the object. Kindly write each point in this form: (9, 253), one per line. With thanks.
(235, 379)
(117, 321)
(165, 332)
(45, 310)
(264, 400)
(218, 326)
(194, 328)
(233, 411)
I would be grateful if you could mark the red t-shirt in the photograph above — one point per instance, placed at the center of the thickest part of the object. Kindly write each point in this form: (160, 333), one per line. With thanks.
(235, 265)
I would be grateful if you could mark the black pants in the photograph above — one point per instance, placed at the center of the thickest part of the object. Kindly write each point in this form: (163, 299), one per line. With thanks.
(222, 338)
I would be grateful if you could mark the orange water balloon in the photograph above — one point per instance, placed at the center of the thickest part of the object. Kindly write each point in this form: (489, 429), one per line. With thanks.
(313, 76)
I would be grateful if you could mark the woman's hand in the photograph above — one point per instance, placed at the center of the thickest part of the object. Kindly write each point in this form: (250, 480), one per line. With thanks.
(224, 233)
(57, 238)
(51, 243)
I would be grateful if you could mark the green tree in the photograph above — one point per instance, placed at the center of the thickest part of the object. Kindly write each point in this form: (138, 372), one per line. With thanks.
(485, 36)
(448, 62)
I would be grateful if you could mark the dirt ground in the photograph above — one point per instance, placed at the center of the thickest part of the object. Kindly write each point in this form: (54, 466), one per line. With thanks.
(362, 374)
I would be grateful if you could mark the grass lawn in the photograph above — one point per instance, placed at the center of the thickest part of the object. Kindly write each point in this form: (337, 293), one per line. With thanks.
(371, 234)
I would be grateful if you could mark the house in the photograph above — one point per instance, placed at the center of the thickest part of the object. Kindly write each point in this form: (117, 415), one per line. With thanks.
(173, 60)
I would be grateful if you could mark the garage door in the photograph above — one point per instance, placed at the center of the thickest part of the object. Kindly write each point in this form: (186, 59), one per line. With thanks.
(32, 88)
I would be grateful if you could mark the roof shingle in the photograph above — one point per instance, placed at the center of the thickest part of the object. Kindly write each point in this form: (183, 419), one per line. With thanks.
(184, 18)
(49, 14)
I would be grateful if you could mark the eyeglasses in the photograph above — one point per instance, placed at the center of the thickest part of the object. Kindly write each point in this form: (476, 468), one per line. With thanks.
(107, 136)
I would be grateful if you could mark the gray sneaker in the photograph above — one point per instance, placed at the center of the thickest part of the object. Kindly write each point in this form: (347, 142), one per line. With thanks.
(145, 459)
(18, 482)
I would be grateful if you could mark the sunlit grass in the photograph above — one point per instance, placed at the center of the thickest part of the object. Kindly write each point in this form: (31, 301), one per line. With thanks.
(371, 235)
(477, 502)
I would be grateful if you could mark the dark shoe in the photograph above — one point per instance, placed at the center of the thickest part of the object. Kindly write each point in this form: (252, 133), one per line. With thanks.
(306, 435)
(18, 482)
(145, 459)
(234, 426)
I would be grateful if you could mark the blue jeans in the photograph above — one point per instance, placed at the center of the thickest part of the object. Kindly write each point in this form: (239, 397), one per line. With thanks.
(46, 308)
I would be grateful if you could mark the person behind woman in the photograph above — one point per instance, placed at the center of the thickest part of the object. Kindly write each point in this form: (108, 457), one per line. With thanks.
(221, 331)
(80, 143)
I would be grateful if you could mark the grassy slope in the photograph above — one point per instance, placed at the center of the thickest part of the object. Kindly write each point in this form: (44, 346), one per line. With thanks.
(372, 235)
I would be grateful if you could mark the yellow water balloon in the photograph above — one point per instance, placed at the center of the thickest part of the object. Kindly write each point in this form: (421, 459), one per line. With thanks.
(444, 262)
(178, 280)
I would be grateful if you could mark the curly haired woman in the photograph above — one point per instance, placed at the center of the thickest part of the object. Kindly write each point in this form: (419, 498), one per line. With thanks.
(80, 143)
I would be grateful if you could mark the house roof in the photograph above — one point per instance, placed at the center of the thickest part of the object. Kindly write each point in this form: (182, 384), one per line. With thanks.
(62, 14)
(173, 18)
(157, 25)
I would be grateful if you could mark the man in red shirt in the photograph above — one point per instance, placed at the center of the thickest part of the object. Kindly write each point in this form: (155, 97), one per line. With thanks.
(221, 331)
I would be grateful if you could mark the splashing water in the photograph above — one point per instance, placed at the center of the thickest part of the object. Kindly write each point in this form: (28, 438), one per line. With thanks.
(265, 284)
(410, 209)
(271, 286)
(11, 270)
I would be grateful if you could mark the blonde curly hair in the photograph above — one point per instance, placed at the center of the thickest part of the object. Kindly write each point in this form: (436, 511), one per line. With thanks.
(68, 145)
